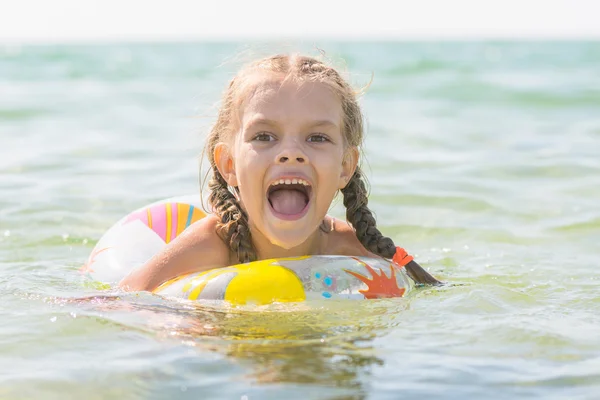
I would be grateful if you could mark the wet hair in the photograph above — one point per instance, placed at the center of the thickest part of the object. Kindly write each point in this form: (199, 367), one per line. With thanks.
(233, 224)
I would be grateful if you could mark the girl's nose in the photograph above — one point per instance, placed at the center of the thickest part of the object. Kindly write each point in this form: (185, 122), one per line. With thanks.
(290, 154)
(284, 159)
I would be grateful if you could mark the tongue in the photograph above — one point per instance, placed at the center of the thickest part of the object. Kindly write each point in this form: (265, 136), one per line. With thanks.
(286, 201)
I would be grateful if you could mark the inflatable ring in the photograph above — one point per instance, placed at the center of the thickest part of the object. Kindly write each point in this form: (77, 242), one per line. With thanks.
(137, 237)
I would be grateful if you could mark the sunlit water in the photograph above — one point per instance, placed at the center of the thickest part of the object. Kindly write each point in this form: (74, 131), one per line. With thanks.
(484, 161)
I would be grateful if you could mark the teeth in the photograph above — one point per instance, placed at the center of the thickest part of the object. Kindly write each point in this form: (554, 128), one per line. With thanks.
(293, 181)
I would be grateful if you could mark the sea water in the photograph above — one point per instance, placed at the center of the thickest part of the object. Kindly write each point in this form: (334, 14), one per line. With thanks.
(484, 162)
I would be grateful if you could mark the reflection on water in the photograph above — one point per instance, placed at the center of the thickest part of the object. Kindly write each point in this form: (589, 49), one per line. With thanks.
(328, 343)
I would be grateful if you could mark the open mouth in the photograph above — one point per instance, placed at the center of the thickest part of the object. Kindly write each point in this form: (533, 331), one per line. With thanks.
(289, 198)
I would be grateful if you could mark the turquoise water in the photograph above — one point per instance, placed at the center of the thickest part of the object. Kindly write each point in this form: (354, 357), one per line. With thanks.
(484, 161)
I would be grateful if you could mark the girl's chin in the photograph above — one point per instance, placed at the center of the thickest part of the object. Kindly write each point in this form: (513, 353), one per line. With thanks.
(289, 234)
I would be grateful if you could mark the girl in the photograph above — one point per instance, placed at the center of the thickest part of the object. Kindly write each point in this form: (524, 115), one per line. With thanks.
(286, 139)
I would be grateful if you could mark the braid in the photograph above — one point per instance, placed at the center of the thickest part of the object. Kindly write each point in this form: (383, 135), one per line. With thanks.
(362, 219)
(365, 226)
(233, 226)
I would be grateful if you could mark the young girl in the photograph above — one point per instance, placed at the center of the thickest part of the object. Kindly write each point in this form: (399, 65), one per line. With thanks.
(286, 139)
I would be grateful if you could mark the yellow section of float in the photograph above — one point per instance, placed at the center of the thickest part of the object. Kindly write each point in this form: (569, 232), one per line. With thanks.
(263, 283)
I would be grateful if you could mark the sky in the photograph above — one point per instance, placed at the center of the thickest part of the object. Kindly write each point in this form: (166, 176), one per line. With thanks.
(58, 21)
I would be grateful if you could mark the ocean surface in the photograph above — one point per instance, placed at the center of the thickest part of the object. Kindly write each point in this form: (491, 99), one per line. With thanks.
(484, 162)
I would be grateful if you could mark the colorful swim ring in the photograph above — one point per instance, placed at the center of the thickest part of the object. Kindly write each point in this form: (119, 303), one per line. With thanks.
(138, 236)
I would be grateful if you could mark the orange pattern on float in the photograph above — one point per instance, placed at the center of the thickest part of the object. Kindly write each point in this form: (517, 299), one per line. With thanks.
(380, 285)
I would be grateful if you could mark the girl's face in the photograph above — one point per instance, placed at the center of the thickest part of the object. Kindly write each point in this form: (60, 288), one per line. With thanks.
(288, 159)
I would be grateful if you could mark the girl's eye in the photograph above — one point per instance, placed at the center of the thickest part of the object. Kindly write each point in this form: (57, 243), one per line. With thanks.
(318, 138)
(264, 137)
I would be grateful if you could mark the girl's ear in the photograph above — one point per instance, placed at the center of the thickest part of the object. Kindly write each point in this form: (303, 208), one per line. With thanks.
(348, 166)
(224, 163)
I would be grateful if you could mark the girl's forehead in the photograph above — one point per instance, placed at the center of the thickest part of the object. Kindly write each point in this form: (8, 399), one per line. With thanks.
(278, 98)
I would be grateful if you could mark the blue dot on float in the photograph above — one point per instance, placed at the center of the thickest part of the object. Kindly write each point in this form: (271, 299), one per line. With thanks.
(328, 281)
(327, 295)
(318, 275)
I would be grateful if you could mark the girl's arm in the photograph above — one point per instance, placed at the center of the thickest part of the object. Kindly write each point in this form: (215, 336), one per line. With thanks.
(198, 248)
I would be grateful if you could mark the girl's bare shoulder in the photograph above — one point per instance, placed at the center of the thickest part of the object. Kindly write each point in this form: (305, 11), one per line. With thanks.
(342, 240)
(202, 237)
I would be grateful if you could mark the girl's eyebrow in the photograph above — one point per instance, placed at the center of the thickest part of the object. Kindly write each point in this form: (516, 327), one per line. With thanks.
(324, 123)
(261, 121)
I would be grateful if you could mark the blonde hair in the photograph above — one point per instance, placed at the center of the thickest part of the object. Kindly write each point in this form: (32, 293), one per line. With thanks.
(233, 225)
